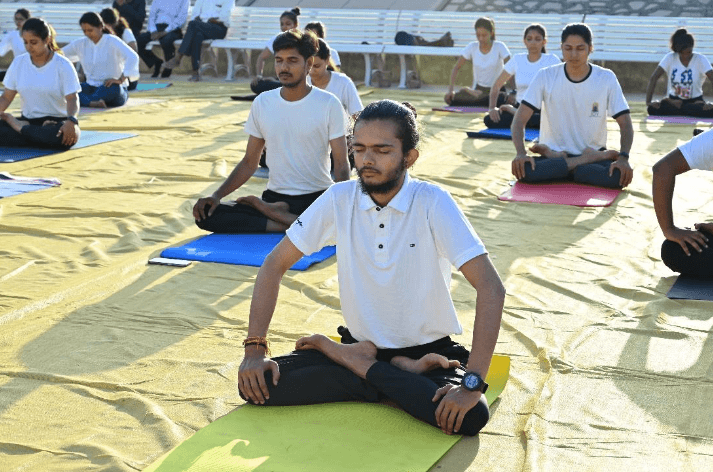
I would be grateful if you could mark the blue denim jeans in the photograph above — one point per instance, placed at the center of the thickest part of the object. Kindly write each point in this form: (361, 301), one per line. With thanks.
(113, 96)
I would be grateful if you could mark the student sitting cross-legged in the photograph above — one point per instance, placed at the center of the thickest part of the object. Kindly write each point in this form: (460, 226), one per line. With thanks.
(48, 85)
(575, 98)
(396, 239)
(297, 123)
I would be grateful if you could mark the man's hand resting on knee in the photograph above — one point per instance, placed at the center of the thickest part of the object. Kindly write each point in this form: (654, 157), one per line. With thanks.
(205, 207)
(456, 402)
(251, 375)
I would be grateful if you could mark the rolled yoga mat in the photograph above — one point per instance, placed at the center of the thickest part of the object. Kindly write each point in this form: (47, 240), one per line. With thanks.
(560, 193)
(240, 249)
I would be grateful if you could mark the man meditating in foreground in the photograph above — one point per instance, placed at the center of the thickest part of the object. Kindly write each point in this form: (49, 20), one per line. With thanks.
(396, 238)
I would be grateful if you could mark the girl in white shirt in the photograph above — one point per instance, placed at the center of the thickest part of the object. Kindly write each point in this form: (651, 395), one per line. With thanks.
(686, 70)
(523, 66)
(488, 57)
(112, 18)
(12, 41)
(48, 86)
(318, 28)
(108, 62)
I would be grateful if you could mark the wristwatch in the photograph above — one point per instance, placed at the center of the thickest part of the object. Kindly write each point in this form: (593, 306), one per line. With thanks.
(73, 119)
(474, 382)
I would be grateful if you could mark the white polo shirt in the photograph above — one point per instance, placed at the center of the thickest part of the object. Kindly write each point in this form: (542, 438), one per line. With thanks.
(698, 152)
(394, 263)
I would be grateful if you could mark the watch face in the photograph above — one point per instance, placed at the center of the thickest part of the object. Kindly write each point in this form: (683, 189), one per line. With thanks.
(471, 381)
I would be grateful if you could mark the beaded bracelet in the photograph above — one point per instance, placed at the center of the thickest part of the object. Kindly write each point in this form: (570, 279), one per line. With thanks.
(257, 341)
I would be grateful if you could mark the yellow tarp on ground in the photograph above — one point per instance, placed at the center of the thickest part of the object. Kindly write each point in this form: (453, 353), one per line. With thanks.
(106, 362)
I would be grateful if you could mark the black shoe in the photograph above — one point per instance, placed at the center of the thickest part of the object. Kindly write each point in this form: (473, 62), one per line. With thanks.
(697, 131)
(157, 68)
(166, 73)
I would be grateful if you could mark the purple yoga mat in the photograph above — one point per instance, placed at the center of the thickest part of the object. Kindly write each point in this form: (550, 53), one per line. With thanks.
(682, 120)
(461, 109)
(560, 193)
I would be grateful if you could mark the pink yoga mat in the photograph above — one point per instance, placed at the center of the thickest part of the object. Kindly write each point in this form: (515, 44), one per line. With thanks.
(461, 109)
(560, 193)
(683, 120)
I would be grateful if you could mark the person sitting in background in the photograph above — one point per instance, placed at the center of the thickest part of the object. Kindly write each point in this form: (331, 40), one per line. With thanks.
(288, 21)
(686, 71)
(48, 86)
(134, 11)
(107, 61)
(211, 19)
(166, 18)
(488, 57)
(687, 251)
(336, 83)
(318, 28)
(120, 27)
(12, 41)
(523, 66)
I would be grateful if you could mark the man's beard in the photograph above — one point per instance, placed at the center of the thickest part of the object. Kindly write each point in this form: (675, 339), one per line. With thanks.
(291, 84)
(385, 187)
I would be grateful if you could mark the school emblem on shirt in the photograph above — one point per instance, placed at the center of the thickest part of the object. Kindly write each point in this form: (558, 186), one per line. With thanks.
(595, 109)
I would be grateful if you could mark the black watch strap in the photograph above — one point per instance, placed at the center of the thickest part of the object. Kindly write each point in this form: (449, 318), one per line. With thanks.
(474, 382)
(73, 119)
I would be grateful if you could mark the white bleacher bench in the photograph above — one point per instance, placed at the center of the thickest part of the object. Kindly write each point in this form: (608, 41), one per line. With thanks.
(616, 38)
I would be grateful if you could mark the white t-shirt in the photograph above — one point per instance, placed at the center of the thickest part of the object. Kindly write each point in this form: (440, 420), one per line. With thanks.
(341, 86)
(486, 67)
(297, 136)
(42, 89)
(393, 263)
(268, 45)
(524, 70)
(12, 41)
(335, 57)
(207, 9)
(685, 82)
(128, 36)
(698, 152)
(108, 59)
(574, 115)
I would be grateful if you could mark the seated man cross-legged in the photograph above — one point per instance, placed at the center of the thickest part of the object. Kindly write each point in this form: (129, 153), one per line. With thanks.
(396, 240)
(298, 123)
(574, 98)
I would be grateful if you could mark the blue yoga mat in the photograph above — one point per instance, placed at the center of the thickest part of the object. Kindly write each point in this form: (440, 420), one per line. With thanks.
(143, 87)
(240, 249)
(503, 133)
(88, 138)
(8, 189)
(691, 288)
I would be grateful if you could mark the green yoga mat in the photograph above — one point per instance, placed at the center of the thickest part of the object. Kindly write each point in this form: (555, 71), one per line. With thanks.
(312, 438)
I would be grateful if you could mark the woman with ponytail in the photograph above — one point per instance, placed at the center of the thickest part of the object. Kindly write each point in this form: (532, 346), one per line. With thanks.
(48, 85)
(107, 61)
(686, 70)
(288, 21)
(523, 67)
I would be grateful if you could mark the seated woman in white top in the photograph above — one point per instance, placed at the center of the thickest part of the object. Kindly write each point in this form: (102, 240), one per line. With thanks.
(488, 57)
(288, 21)
(12, 41)
(686, 71)
(48, 86)
(108, 62)
(318, 28)
(523, 66)
(120, 27)
(336, 83)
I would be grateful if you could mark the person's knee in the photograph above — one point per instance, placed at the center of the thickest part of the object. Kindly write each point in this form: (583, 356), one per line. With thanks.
(476, 419)
(672, 255)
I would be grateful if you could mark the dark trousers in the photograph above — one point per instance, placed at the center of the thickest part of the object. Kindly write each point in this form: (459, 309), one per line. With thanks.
(169, 50)
(310, 377)
(196, 32)
(2, 75)
(236, 218)
(698, 264)
(690, 107)
(464, 99)
(506, 121)
(114, 95)
(597, 173)
(264, 85)
(34, 134)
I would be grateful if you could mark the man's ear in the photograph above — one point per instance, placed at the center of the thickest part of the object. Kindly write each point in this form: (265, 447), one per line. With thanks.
(411, 157)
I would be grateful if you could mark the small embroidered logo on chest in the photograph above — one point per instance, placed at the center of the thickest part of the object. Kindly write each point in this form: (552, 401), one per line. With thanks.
(298, 221)
(412, 245)
(595, 109)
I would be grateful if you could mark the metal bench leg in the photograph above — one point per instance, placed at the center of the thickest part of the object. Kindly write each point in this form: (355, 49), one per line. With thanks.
(231, 65)
(209, 59)
(367, 69)
(402, 61)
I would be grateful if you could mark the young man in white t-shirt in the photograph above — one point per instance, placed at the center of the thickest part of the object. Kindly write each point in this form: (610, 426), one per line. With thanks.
(298, 123)
(574, 99)
(396, 240)
(686, 251)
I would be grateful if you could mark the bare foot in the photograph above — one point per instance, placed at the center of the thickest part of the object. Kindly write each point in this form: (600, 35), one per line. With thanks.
(14, 123)
(278, 212)
(593, 155)
(428, 362)
(98, 104)
(358, 357)
(545, 151)
(508, 109)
